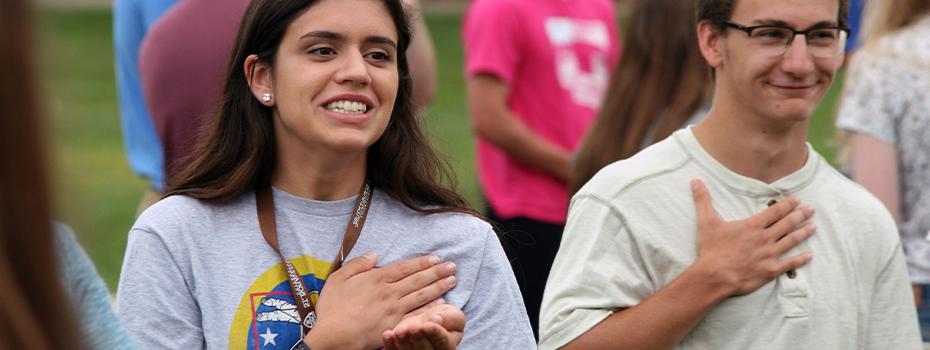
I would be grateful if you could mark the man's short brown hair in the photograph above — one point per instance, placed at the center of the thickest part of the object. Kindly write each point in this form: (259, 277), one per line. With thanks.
(719, 11)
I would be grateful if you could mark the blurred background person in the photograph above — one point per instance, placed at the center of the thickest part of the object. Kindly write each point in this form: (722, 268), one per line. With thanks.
(422, 58)
(535, 72)
(52, 295)
(132, 19)
(183, 62)
(33, 302)
(886, 111)
(855, 27)
(661, 85)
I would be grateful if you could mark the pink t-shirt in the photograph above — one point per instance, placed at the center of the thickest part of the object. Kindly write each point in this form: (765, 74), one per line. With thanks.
(557, 56)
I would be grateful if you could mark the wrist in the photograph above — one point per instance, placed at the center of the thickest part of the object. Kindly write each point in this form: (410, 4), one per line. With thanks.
(312, 341)
(315, 340)
(322, 339)
(710, 281)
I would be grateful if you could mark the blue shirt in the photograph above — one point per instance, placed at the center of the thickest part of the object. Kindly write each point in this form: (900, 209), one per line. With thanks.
(131, 20)
(98, 325)
(855, 24)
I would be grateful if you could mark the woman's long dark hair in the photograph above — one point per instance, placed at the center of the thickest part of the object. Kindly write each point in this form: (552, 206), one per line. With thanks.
(238, 151)
(34, 312)
(661, 78)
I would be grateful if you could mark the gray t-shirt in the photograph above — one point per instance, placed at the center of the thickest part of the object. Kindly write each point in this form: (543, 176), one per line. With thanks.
(200, 275)
(887, 96)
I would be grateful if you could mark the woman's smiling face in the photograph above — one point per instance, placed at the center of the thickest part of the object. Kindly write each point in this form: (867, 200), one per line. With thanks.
(335, 77)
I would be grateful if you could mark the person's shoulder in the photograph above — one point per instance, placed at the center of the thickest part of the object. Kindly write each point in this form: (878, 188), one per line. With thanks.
(902, 48)
(853, 195)
(858, 207)
(456, 227)
(661, 158)
(179, 212)
(465, 224)
(449, 220)
(911, 38)
(495, 7)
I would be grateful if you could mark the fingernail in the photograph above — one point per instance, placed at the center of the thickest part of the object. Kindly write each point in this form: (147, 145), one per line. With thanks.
(450, 280)
(433, 260)
(370, 255)
(440, 301)
(436, 318)
(450, 267)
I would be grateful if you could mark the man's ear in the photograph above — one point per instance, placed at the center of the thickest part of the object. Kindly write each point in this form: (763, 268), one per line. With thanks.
(709, 41)
(258, 75)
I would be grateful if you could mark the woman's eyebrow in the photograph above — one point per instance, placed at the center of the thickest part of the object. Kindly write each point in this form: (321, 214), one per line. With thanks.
(323, 34)
(381, 40)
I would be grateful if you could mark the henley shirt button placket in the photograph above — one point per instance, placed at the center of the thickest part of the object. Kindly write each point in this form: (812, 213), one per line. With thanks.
(791, 273)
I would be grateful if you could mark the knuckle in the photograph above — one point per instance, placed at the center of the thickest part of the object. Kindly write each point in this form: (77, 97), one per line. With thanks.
(799, 261)
(424, 262)
(381, 276)
(422, 297)
(772, 271)
(392, 309)
(408, 269)
(792, 240)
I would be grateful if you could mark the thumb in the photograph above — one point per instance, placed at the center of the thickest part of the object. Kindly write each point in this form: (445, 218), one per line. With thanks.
(449, 317)
(702, 203)
(358, 265)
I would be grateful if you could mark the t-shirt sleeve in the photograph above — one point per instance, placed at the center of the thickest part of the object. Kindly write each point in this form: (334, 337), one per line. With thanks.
(874, 96)
(154, 301)
(495, 314)
(90, 298)
(892, 320)
(492, 38)
(597, 271)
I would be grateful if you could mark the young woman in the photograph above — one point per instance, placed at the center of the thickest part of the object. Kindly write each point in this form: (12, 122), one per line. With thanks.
(316, 158)
(661, 84)
(885, 112)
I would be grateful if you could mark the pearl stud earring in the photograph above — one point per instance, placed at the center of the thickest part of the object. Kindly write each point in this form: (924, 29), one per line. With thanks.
(266, 97)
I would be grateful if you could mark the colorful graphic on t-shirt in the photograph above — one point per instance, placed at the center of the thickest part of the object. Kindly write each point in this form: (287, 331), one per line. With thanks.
(587, 88)
(267, 316)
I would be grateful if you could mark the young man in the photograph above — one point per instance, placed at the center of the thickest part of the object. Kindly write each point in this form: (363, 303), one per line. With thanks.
(536, 71)
(641, 267)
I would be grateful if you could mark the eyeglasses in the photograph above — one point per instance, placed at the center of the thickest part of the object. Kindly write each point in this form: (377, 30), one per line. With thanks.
(774, 40)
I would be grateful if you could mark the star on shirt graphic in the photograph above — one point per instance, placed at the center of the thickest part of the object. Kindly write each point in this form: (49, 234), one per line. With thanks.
(268, 337)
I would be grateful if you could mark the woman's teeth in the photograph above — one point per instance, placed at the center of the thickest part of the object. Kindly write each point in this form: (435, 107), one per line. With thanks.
(348, 107)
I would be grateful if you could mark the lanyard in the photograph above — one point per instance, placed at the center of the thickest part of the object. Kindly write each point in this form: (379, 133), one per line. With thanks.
(264, 202)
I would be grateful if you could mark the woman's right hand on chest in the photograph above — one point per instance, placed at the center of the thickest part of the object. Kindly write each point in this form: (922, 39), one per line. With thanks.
(359, 302)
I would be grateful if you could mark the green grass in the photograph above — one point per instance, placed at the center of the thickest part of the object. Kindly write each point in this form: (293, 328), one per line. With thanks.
(97, 194)
(95, 191)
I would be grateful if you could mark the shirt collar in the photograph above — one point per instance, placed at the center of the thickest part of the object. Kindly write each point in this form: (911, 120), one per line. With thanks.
(790, 184)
